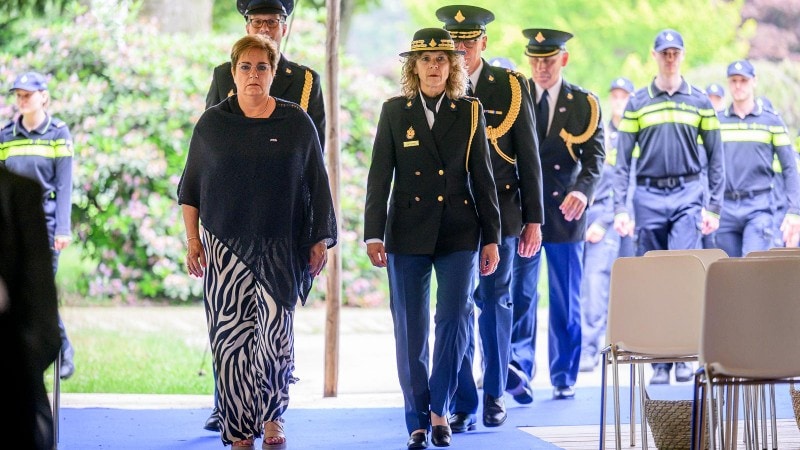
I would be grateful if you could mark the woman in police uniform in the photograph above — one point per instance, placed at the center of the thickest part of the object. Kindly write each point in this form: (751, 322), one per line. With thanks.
(39, 146)
(431, 165)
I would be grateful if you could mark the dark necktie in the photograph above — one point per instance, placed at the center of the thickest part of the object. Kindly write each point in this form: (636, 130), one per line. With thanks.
(542, 113)
(470, 91)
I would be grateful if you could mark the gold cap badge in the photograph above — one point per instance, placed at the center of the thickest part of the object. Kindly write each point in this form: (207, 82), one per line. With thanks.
(459, 17)
(539, 37)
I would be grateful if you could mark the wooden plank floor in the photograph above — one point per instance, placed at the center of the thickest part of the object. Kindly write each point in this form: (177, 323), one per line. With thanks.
(587, 437)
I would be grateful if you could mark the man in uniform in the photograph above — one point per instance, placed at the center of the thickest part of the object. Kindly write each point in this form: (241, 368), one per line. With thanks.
(505, 96)
(665, 119)
(752, 136)
(602, 247)
(570, 133)
(292, 81)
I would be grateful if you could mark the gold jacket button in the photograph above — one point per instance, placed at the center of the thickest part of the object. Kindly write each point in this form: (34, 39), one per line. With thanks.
(418, 173)
(557, 167)
(466, 202)
(508, 186)
(416, 198)
(441, 172)
(440, 198)
(555, 193)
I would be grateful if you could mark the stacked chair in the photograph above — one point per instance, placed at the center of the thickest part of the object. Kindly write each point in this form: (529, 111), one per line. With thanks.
(649, 298)
(750, 340)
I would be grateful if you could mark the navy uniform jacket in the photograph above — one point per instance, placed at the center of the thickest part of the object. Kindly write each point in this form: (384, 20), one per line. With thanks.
(292, 82)
(575, 167)
(507, 108)
(44, 154)
(435, 206)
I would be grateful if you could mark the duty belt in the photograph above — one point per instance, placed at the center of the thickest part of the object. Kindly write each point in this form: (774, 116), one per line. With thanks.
(667, 182)
(737, 195)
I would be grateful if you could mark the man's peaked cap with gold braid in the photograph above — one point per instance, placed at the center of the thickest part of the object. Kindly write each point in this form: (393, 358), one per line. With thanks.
(464, 22)
(543, 42)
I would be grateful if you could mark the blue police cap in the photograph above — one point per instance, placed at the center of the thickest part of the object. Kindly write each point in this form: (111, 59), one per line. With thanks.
(543, 42)
(622, 83)
(247, 7)
(743, 68)
(432, 40)
(30, 81)
(668, 39)
(464, 22)
(715, 89)
(502, 62)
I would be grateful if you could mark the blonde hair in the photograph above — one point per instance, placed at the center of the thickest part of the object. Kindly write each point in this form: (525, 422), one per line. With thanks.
(258, 42)
(456, 84)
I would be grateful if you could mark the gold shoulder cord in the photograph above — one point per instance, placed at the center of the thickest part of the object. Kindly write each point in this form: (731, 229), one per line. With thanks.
(594, 117)
(473, 128)
(513, 111)
(306, 90)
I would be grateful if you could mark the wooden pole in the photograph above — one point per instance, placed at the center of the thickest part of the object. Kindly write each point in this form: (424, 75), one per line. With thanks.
(334, 295)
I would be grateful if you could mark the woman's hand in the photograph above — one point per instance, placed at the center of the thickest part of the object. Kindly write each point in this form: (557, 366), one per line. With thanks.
(317, 258)
(195, 257)
(377, 254)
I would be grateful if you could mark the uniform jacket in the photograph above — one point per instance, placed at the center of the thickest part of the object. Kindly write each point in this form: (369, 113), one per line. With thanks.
(293, 82)
(507, 108)
(45, 155)
(570, 168)
(434, 205)
(28, 312)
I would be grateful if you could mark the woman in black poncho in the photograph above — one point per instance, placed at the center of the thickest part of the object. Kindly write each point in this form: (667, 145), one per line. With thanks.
(255, 178)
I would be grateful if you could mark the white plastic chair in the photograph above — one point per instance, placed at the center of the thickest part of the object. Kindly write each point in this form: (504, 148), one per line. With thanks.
(750, 335)
(706, 255)
(650, 298)
(772, 253)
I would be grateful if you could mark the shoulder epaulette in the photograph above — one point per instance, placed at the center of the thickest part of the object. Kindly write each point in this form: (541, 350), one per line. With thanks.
(58, 123)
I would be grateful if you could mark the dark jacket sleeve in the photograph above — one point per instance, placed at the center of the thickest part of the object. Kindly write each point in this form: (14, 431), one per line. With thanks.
(483, 186)
(592, 155)
(529, 166)
(316, 108)
(379, 180)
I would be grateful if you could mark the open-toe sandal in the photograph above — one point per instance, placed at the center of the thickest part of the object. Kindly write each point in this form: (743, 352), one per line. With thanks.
(244, 444)
(274, 438)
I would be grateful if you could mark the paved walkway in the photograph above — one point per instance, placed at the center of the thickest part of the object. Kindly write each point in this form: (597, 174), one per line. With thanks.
(367, 368)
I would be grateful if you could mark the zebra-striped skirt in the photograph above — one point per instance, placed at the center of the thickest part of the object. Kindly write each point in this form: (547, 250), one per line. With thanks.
(252, 341)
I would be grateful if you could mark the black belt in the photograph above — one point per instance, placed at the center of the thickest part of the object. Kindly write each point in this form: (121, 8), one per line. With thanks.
(667, 182)
(736, 195)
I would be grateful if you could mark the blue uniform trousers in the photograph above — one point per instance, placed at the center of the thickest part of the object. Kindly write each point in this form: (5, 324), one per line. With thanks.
(668, 219)
(565, 269)
(409, 287)
(493, 297)
(746, 225)
(597, 261)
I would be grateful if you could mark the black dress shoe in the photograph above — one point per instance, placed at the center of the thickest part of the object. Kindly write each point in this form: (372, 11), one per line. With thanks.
(660, 376)
(563, 392)
(494, 411)
(418, 439)
(440, 436)
(518, 385)
(461, 422)
(683, 372)
(212, 423)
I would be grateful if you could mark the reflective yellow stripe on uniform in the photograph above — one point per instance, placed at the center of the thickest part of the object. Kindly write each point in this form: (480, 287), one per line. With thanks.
(46, 148)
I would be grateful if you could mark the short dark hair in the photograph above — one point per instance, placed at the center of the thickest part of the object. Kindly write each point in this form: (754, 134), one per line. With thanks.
(255, 41)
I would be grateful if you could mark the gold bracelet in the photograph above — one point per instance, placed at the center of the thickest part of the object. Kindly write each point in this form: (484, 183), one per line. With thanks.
(189, 239)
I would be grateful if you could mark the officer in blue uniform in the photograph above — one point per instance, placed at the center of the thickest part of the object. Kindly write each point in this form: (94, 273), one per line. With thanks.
(752, 137)
(603, 245)
(505, 96)
(293, 82)
(716, 93)
(39, 146)
(431, 167)
(665, 119)
(570, 134)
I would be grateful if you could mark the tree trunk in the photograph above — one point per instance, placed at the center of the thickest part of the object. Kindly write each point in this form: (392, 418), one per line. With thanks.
(180, 16)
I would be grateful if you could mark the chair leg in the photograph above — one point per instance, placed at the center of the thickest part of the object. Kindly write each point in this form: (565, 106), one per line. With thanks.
(603, 397)
(642, 412)
(56, 398)
(632, 405)
(773, 417)
(617, 427)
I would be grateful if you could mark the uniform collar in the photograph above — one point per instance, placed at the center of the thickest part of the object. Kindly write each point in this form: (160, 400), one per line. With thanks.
(654, 91)
(757, 110)
(41, 129)
(476, 76)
